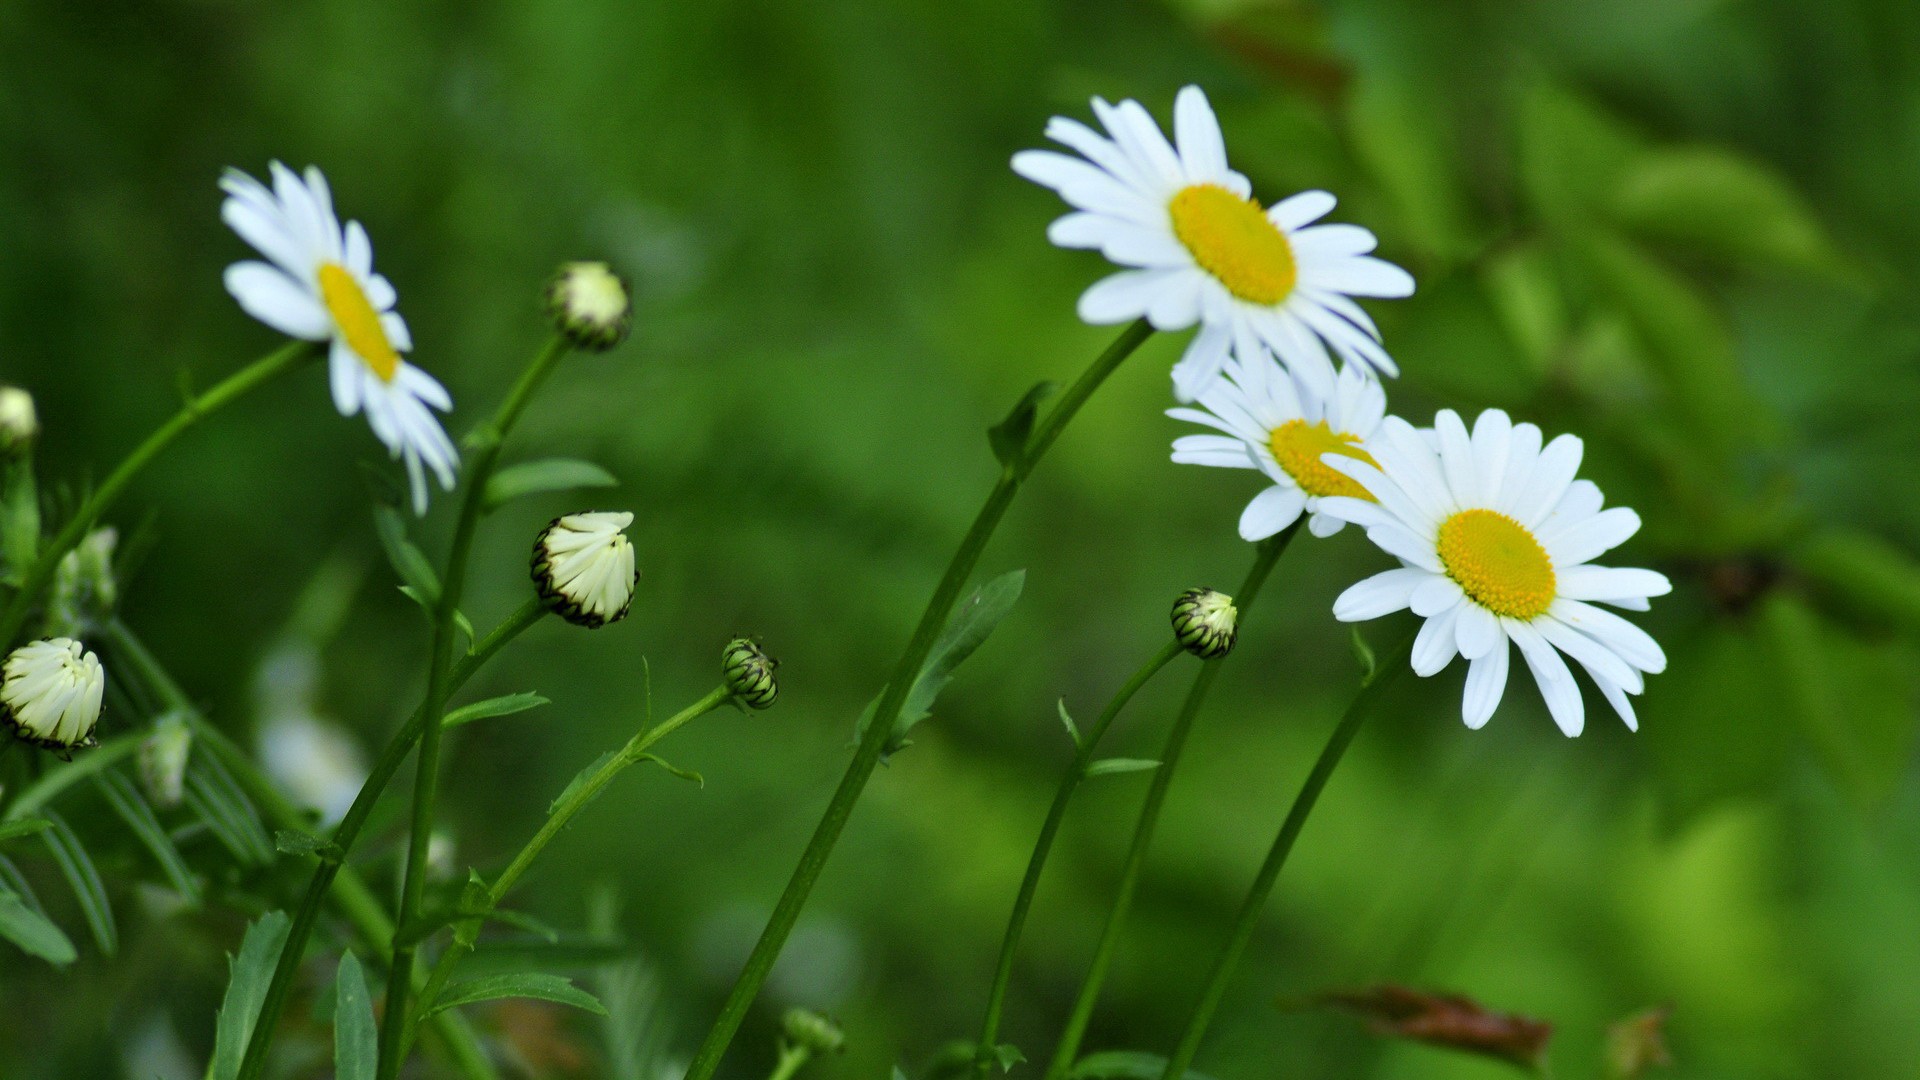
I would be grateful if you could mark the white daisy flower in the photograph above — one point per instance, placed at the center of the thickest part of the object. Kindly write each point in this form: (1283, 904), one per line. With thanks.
(319, 285)
(50, 693)
(1495, 538)
(583, 567)
(1202, 251)
(1276, 423)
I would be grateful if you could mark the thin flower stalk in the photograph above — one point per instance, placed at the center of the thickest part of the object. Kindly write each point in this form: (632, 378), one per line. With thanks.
(347, 833)
(485, 446)
(467, 932)
(874, 743)
(196, 408)
(1068, 1049)
(1388, 668)
(983, 1057)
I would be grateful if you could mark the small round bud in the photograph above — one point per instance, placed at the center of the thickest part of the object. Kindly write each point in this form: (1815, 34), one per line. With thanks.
(806, 1028)
(84, 590)
(19, 423)
(50, 693)
(749, 673)
(590, 305)
(1205, 622)
(163, 760)
(583, 567)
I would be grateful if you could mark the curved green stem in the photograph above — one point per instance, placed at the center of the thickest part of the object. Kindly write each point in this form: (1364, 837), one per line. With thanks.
(932, 621)
(467, 931)
(1069, 1047)
(349, 892)
(347, 833)
(983, 1055)
(485, 446)
(1388, 666)
(222, 393)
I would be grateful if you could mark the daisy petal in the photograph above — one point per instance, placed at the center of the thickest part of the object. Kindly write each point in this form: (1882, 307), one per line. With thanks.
(1550, 672)
(1298, 211)
(1486, 683)
(1593, 537)
(268, 294)
(1270, 511)
(1382, 594)
(1611, 584)
(1433, 647)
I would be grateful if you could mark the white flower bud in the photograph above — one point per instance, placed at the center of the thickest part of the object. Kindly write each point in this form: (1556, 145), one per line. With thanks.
(163, 759)
(583, 567)
(84, 589)
(590, 306)
(19, 423)
(1206, 622)
(50, 693)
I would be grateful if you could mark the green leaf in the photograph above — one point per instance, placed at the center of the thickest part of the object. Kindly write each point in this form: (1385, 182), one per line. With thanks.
(24, 827)
(970, 625)
(33, 932)
(1717, 203)
(1073, 730)
(356, 1046)
(212, 795)
(19, 518)
(406, 558)
(133, 809)
(1864, 575)
(684, 774)
(1008, 1055)
(1572, 153)
(506, 705)
(540, 987)
(545, 475)
(248, 976)
(1363, 652)
(84, 878)
(1115, 765)
(1414, 155)
(295, 842)
(1125, 1065)
(580, 779)
(1009, 437)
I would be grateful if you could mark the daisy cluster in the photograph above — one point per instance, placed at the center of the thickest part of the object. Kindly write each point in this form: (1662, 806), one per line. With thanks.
(1494, 532)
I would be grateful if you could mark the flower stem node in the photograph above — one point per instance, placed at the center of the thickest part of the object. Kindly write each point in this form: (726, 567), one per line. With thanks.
(1206, 623)
(808, 1029)
(19, 423)
(590, 305)
(50, 694)
(583, 567)
(749, 674)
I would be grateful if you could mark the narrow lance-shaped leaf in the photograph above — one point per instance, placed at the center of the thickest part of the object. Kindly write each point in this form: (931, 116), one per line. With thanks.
(492, 707)
(216, 798)
(1115, 765)
(545, 475)
(356, 1047)
(249, 974)
(84, 878)
(406, 557)
(970, 625)
(33, 932)
(1009, 437)
(540, 987)
(132, 807)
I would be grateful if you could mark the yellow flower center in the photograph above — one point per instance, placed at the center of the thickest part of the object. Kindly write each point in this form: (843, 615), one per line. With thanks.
(1298, 446)
(359, 324)
(1232, 239)
(1498, 563)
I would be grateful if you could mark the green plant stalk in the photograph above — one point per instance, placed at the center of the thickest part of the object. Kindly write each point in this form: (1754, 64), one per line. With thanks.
(485, 445)
(347, 833)
(283, 359)
(983, 1056)
(349, 892)
(1387, 668)
(1069, 1047)
(792, 1058)
(873, 744)
(467, 931)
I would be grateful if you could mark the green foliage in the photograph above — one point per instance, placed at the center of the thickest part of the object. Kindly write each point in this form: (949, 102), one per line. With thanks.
(972, 622)
(356, 1045)
(505, 705)
(539, 987)
(542, 477)
(31, 930)
(248, 974)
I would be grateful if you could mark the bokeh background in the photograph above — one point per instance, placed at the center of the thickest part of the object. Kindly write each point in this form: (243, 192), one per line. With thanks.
(1683, 229)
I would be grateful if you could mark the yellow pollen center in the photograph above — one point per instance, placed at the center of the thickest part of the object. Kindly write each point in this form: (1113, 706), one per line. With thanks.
(359, 324)
(1498, 563)
(1232, 239)
(1299, 446)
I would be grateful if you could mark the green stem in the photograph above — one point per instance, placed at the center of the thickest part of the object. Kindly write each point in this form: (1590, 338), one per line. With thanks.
(983, 1057)
(1068, 1050)
(227, 390)
(347, 833)
(467, 931)
(484, 445)
(349, 893)
(1388, 666)
(791, 1060)
(932, 621)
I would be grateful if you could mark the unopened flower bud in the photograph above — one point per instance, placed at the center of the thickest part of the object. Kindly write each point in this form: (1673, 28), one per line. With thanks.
(809, 1029)
(163, 759)
(590, 305)
(1205, 622)
(749, 673)
(583, 567)
(19, 423)
(84, 590)
(50, 694)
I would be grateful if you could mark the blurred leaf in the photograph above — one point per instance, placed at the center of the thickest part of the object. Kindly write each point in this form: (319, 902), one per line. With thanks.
(23, 827)
(1125, 1065)
(1007, 1055)
(1524, 286)
(1363, 655)
(1699, 730)
(33, 932)
(132, 807)
(580, 780)
(543, 476)
(1009, 437)
(538, 954)
(506, 705)
(1115, 765)
(1450, 1021)
(684, 774)
(212, 794)
(552, 988)
(970, 625)
(1410, 148)
(1573, 154)
(84, 879)
(19, 518)
(1720, 204)
(1066, 718)
(356, 1044)
(406, 557)
(295, 842)
(247, 979)
(1638, 1044)
(1864, 575)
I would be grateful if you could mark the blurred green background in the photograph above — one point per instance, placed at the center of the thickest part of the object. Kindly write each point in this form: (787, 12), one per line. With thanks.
(1683, 229)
